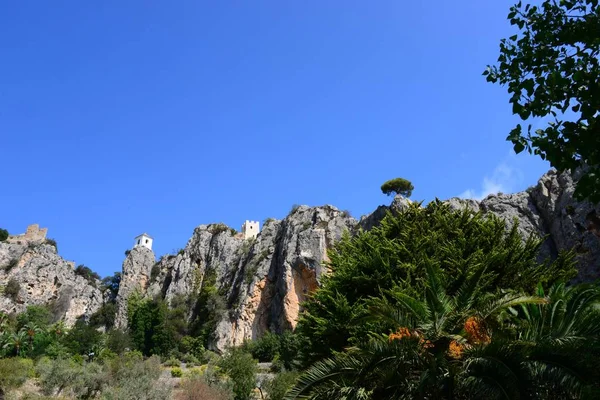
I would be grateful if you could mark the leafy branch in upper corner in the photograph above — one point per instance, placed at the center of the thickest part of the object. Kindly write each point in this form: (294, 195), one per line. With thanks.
(552, 71)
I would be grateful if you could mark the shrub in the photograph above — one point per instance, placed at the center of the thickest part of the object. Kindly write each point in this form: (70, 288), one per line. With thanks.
(134, 379)
(277, 387)
(215, 229)
(172, 362)
(210, 357)
(196, 388)
(12, 289)
(82, 338)
(3, 235)
(87, 273)
(242, 369)
(191, 346)
(57, 375)
(118, 341)
(105, 316)
(176, 372)
(51, 242)
(11, 264)
(190, 360)
(12, 374)
(265, 348)
(155, 271)
(127, 252)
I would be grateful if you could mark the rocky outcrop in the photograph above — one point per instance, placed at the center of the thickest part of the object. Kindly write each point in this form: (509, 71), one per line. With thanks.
(45, 279)
(549, 210)
(263, 280)
(135, 277)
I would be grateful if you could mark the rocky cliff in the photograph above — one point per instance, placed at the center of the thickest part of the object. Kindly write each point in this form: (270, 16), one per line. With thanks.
(38, 275)
(549, 210)
(263, 280)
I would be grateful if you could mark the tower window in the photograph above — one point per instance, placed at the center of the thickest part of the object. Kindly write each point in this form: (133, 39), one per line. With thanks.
(146, 240)
(138, 241)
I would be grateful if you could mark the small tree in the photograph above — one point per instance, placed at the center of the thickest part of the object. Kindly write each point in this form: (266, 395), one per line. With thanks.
(398, 186)
(3, 235)
(242, 370)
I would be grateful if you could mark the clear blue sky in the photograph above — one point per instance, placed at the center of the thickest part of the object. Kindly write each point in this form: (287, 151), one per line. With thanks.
(123, 117)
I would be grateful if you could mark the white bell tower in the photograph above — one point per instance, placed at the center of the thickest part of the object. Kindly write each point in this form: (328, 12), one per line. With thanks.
(143, 240)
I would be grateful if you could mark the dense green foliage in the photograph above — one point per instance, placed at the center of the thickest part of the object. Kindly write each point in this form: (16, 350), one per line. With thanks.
(150, 332)
(399, 186)
(208, 310)
(552, 69)
(283, 349)
(13, 373)
(277, 387)
(458, 347)
(3, 235)
(242, 369)
(396, 254)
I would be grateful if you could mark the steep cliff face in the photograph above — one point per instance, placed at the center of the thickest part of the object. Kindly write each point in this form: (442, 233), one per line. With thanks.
(549, 210)
(263, 280)
(135, 276)
(45, 279)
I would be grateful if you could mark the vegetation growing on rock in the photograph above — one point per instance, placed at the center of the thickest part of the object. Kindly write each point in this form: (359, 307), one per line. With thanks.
(397, 186)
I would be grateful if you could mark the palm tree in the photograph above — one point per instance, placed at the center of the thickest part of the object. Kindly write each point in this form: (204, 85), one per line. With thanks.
(16, 341)
(31, 330)
(421, 357)
(552, 353)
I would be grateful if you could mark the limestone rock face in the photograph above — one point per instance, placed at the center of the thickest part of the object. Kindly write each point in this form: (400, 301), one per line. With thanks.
(135, 276)
(263, 280)
(45, 279)
(549, 210)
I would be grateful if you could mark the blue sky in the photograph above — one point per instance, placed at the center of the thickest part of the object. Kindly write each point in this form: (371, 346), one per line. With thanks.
(123, 117)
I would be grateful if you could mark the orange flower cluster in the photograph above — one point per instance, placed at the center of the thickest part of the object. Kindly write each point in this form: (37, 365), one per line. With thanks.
(476, 331)
(399, 334)
(455, 350)
(405, 332)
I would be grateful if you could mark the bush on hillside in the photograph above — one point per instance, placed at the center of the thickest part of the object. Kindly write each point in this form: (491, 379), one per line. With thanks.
(11, 264)
(51, 242)
(12, 289)
(242, 369)
(277, 387)
(3, 235)
(87, 273)
(12, 374)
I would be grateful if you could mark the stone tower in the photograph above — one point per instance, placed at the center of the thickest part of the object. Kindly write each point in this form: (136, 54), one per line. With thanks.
(250, 229)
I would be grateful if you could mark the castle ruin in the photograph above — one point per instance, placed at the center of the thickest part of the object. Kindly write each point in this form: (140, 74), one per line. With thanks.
(250, 229)
(33, 234)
